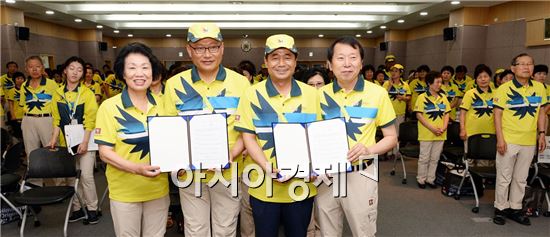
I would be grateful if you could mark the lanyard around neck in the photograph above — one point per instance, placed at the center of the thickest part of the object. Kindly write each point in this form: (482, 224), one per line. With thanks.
(72, 109)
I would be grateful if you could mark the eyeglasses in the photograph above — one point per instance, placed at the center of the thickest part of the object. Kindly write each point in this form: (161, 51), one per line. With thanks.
(524, 64)
(202, 50)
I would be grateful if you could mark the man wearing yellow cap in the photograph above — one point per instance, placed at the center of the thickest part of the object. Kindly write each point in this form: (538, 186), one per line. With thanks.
(389, 61)
(280, 98)
(400, 94)
(206, 88)
(365, 106)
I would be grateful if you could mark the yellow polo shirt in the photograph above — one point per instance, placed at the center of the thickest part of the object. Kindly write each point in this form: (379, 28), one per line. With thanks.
(478, 106)
(433, 110)
(121, 125)
(7, 83)
(14, 95)
(97, 78)
(259, 108)
(464, 84)
(37, 101)
(364, 108)
(114, 84)
(258, 78)
(94, 87)
(80, 104)
(186, 94)
(399, 106)
(452, 92)
(417, 87)
(521, 106)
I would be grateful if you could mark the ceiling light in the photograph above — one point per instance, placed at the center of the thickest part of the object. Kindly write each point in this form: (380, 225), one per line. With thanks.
(77, 20)
(277, 17)
(247, 25)
(114, 46)
(358, 35)
(168, 35)
(369, 31)
(116, 31)
(455, 2)
(249, 8)
(50, 12)
(400, 21)
(99, 26)
(423, 13)
(130, 35)
(321, 35)
(10, 1)
(383, 27)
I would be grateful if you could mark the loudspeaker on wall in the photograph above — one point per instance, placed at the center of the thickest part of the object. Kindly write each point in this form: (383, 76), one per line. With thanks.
(383, 46)
(22, 33)
(449, 33)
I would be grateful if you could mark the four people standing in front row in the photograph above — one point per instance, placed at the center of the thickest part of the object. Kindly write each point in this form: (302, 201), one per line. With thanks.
(139, 192)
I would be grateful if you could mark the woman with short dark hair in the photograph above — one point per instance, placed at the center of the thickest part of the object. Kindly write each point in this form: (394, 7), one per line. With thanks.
(138, 191)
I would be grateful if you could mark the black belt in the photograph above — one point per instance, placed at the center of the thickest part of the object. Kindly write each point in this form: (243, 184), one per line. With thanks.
(38, 115)
(363, 166)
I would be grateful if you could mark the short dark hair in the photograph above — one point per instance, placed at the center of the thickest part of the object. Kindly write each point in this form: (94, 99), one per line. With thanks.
(18, 74)
(367, 67)
(347, 40)
(89, 65)
(461, 68)
(248, 66)
(505, 73)
(448, 68)
(513, 63)
(540, 68)
(423, 67)
(10, 63)
(74, 59)
(378, 72)
(431, 76)
(34, 57)
(138, 48)
(315, 71)
(482, 68)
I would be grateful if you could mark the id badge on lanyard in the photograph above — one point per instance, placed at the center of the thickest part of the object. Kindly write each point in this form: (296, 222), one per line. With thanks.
(72, 110)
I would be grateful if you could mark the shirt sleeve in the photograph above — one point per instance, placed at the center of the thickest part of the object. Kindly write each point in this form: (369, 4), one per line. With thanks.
(90, 111)
(243, 118)
(55, 110)
(447, 105)
(466, 103)
(105, 130)
(418, 106)
(499, 101)
(386, 113)
(168, 98)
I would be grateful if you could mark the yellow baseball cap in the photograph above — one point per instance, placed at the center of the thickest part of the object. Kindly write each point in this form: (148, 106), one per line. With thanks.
(499, 71)
(398, 66)
(263, 65)
(389, 58)
(275, 42)
(200, 31)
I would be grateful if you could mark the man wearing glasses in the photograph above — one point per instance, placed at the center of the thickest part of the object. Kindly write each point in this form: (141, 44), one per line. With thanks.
(519, 123)
(206, 88)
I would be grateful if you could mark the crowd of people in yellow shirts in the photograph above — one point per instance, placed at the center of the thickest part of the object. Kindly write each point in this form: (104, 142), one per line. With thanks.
(115, 106)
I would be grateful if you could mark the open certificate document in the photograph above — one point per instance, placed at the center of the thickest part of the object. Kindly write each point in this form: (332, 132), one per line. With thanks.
(74, 135)
(323, 144)
(188, 142)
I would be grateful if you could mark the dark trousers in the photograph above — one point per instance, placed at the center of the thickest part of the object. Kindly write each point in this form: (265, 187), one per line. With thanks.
(295, 217)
